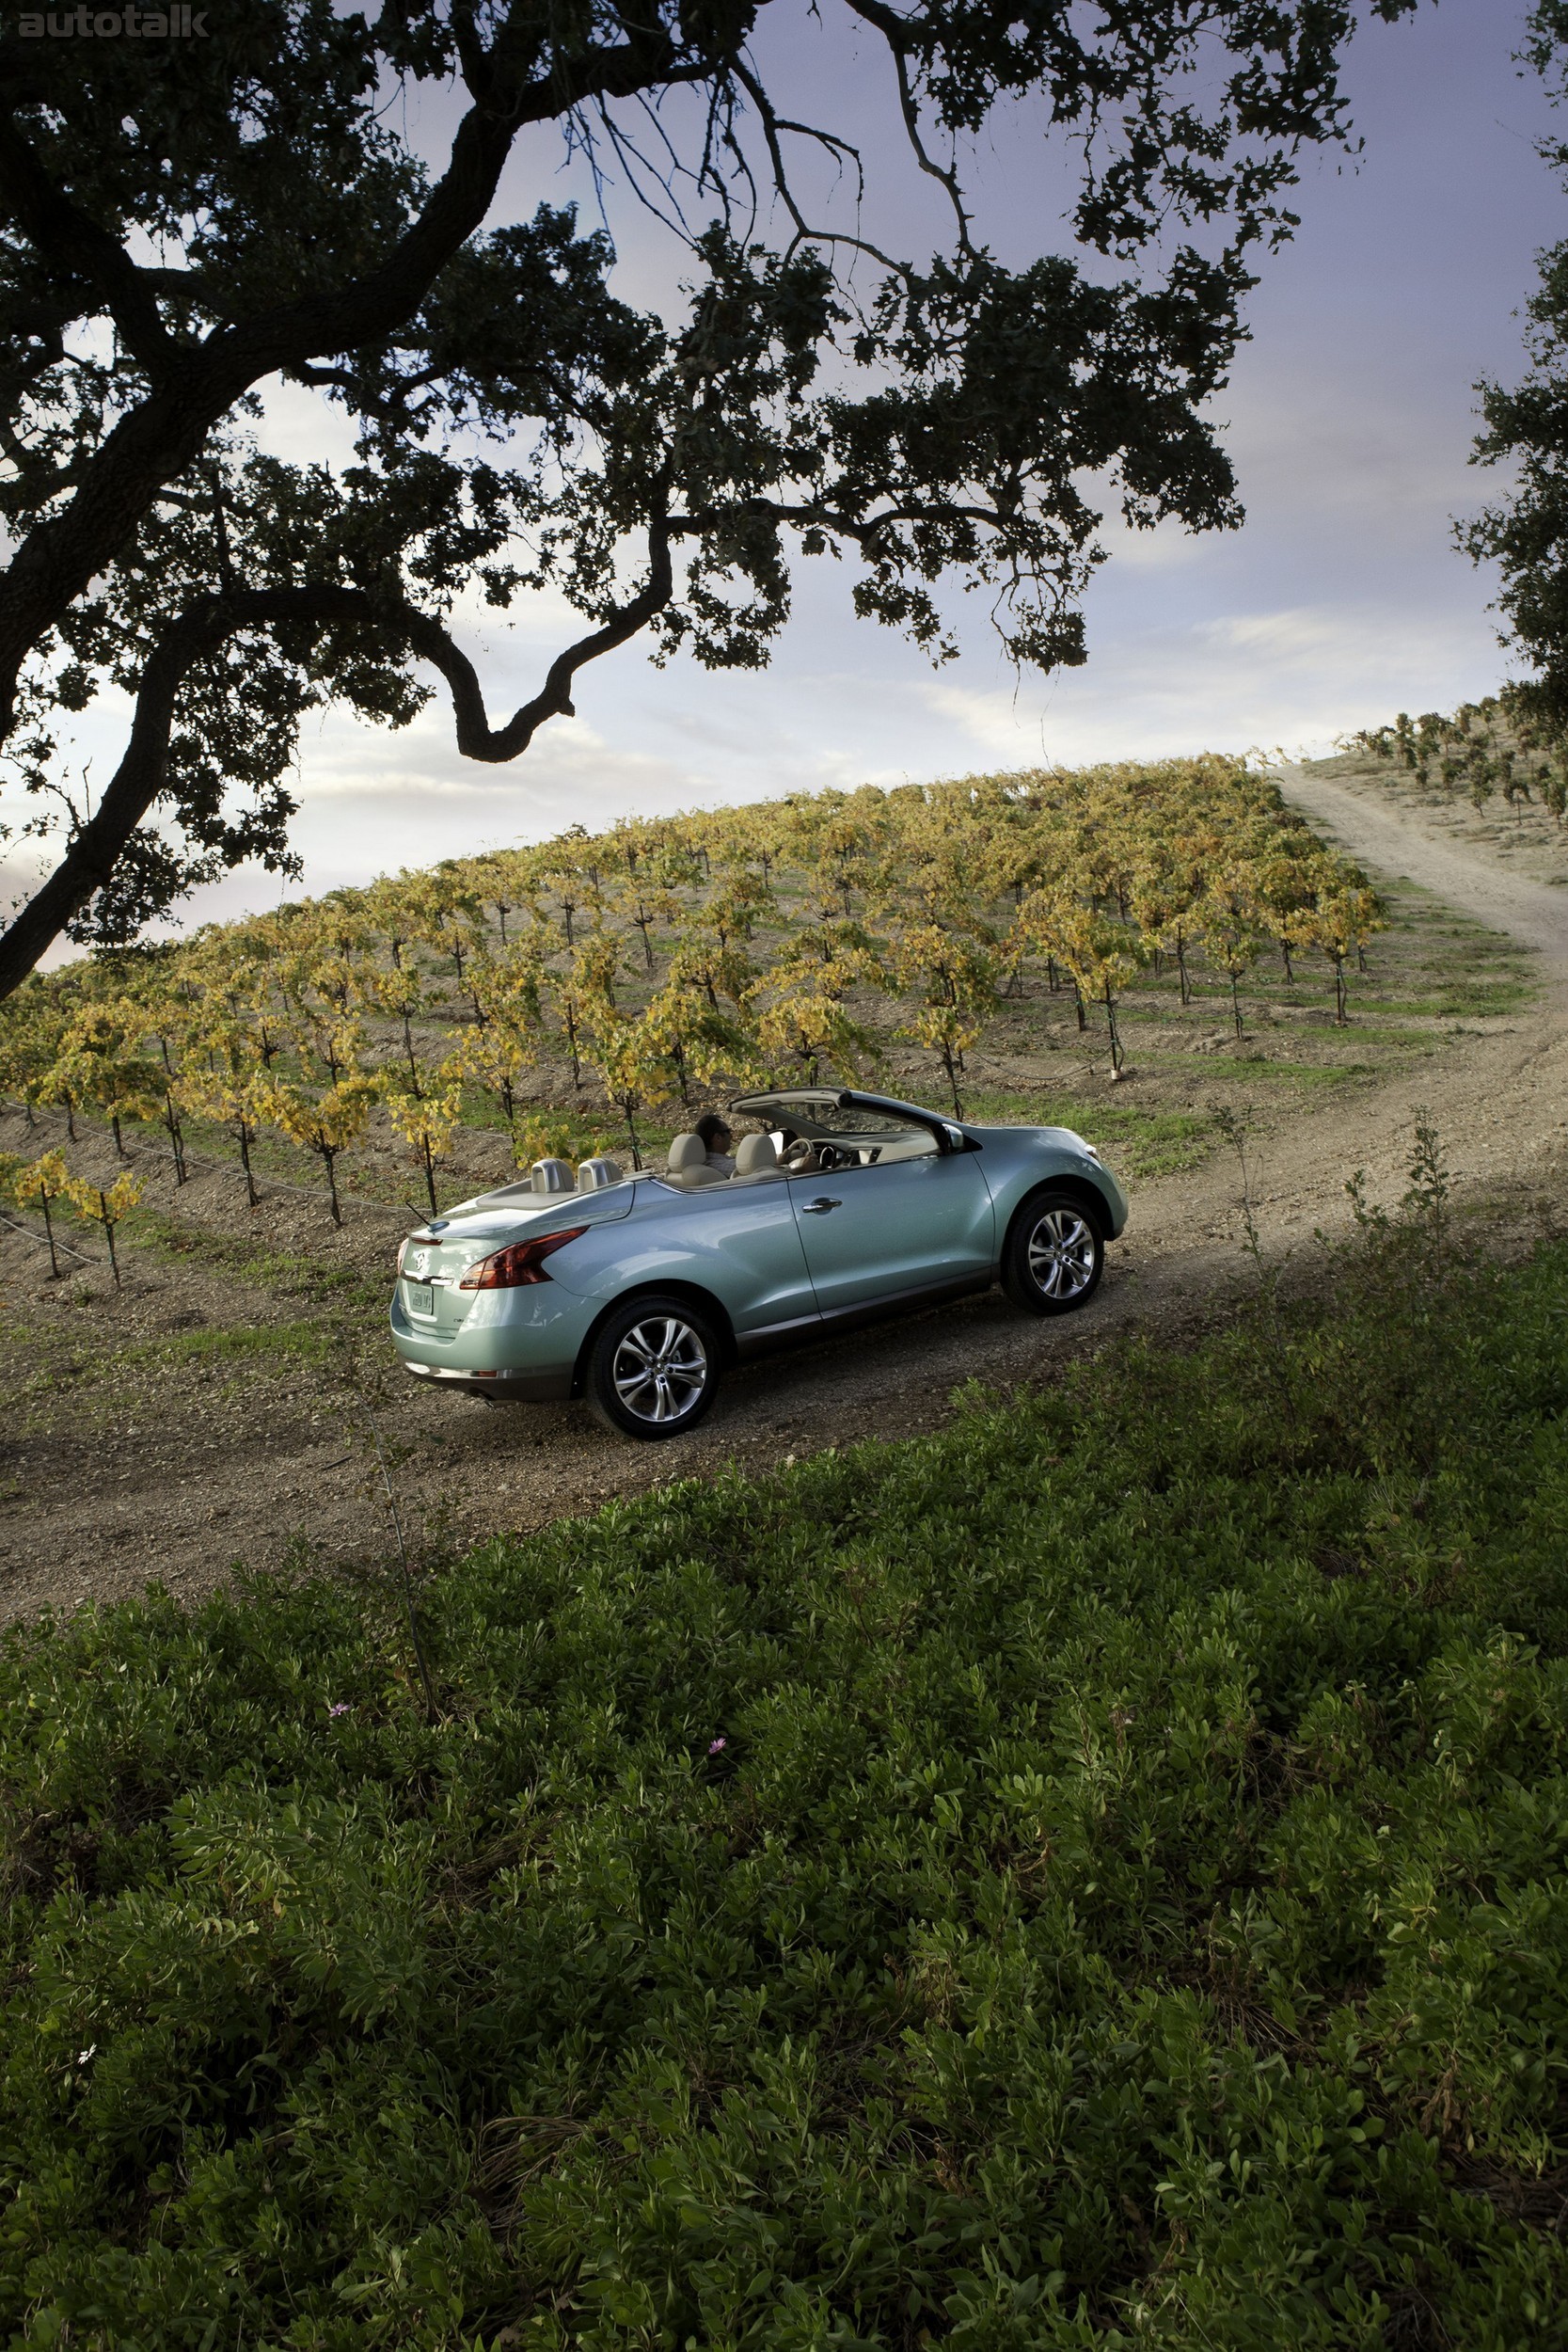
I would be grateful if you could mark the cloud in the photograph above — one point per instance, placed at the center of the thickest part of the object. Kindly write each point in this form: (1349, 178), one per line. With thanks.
(1298, 675)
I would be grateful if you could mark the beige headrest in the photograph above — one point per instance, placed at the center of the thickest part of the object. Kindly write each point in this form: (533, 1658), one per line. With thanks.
(686, 1152)
(754, 1153)
(596, 1175)
(552, 1176)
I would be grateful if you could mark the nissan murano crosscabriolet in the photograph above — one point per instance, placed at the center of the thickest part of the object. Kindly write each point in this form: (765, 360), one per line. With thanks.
(637, 1290)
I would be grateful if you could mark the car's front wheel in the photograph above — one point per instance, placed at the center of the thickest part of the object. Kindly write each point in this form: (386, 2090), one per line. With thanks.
(654, 1368)
(1054, 1254)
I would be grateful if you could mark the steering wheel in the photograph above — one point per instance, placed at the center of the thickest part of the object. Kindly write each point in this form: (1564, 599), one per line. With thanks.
(798, 1156)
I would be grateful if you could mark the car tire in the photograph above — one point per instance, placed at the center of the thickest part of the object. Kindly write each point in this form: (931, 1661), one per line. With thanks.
(1054, 1253)
(653, 1369)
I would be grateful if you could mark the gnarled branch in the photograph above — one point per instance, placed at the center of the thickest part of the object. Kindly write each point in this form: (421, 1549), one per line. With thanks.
(93, 850)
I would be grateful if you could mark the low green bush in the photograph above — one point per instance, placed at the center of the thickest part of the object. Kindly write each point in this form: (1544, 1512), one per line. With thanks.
(1096, 1877)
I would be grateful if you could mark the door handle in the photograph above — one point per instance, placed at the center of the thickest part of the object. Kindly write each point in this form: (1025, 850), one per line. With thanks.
(820, 1207)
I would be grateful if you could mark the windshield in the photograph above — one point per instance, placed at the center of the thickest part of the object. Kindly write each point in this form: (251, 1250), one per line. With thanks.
(824, 1118)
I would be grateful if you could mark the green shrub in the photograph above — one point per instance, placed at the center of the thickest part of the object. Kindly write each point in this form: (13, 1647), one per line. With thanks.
(1095, 1877)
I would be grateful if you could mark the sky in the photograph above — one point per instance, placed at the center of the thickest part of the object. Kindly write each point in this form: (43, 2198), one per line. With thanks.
(1349, 418)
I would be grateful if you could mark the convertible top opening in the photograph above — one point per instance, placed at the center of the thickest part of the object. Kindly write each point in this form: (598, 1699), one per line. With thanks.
(831, 1112)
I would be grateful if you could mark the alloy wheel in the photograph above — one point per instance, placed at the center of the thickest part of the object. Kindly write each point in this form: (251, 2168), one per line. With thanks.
(659, 1369)
(1061, 1254)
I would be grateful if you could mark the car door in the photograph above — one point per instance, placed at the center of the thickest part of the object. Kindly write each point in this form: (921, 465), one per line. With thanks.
(906, 1225)
(741, 1240)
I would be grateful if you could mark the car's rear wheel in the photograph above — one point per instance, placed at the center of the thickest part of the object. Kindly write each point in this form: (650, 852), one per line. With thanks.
(654, 1368)
(1054, 1254)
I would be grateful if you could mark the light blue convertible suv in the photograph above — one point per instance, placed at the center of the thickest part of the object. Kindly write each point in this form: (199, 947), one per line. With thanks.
(636, 1291)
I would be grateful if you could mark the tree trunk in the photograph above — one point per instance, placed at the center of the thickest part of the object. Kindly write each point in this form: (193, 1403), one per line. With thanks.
(329, 1161)
(91, 854)
(109, 1236)
(176, 1141)
(252, 1196)
(1116, 1034)
(49, 1236)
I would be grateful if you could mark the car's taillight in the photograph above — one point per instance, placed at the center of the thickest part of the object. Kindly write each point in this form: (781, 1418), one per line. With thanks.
(520, 1261)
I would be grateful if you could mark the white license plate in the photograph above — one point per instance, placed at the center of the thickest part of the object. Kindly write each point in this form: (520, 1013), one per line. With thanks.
(421, 1299)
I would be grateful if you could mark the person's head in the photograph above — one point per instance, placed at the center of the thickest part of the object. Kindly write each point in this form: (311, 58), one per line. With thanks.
(714, 1130)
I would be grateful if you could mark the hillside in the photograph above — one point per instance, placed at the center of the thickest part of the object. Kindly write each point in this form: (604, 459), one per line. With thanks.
(215, 1408)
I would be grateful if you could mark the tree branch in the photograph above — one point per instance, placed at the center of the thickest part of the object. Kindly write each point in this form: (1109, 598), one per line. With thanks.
(476, 738)
(70, 240)
(159, 437)
(948, 178)
(142, 775)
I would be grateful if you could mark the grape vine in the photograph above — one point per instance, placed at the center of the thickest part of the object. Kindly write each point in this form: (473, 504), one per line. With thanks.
(607, 979)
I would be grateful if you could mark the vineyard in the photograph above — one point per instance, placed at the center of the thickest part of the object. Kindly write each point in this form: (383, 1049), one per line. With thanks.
(1485, 751)
(580, 995)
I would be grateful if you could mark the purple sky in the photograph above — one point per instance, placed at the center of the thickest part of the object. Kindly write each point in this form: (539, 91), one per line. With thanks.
(1349, 416)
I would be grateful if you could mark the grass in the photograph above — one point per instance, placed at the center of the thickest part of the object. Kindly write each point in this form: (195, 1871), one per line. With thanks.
(1140, 1141)
(281, 1273)
(1097, 1876)
(259, 1344)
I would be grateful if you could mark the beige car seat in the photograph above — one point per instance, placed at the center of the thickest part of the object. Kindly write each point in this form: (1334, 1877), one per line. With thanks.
(687, 1163)
(756, 1155)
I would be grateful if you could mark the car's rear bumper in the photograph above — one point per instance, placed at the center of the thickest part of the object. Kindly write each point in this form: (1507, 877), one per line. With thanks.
(501, 1386)
(518, 1346)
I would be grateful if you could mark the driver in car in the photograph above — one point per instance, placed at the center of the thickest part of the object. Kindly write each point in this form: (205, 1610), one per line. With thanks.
(716, 1138)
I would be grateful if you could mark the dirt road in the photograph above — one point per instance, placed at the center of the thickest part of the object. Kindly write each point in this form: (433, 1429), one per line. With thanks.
(179, 1469)
(1382, 835)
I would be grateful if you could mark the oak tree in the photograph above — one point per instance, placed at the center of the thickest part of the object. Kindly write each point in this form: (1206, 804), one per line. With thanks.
(180, 231)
